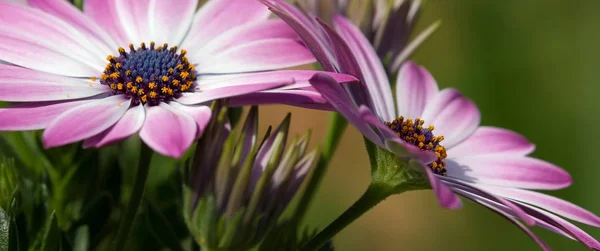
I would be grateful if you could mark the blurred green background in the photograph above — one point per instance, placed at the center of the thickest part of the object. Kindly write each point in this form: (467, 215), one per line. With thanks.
(530, 66)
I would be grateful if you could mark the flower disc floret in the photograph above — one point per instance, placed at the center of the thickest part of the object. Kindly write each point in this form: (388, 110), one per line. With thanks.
(415, 133)
(149, 75)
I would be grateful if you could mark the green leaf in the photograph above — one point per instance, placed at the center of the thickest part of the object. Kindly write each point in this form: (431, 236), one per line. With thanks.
(160, 228)
(232, 233)
(82, 239)
(49, 238)
(209, 224)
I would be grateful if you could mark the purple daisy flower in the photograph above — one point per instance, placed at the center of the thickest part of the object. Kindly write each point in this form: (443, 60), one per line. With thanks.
(487, 165)
(108, 72)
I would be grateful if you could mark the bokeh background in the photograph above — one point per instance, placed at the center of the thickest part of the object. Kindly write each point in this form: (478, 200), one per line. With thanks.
(530, 66)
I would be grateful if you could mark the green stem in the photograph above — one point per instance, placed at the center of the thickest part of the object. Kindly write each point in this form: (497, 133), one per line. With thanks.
(137, 194)
(374, 194)
(337, 126)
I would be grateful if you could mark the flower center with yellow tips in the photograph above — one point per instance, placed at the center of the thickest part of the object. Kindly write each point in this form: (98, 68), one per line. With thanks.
(149, 75)
(415, 133)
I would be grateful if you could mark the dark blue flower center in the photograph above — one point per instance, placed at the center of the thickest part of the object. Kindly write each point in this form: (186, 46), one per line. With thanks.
(149, 75)
(416, 134)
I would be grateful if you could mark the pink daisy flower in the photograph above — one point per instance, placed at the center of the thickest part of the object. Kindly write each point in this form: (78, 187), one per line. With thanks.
(438, 131)
(109, 72)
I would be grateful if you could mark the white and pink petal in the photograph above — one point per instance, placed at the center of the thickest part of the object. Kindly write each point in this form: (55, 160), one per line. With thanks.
(34, 116)
(454, 116)
(128, 125)
(492, 141)
(415, 87)
(168, 131)
(85, 121)
(509, 171)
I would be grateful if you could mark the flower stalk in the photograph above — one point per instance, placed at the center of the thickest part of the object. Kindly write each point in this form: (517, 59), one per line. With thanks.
(137, 194)
(389, 175)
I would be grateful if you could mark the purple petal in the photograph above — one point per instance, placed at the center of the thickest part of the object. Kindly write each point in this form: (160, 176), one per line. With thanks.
(339, 99)
(547, 202)
(509, 171)
(307, 31)
(168, 131)
(563, 225)
(498, 208)
(415, 87)
(301, 98)
(85, 121)
(375, 77)
(244, 34)
(134, 16)
(129, 124)
(68, 12)
(218, 16)
(104, 13)
(458, 185)
(200, 113)
(347, 63)
(34, 116)
(492, 141)
(454, 116)
(42, 28)
(444, 194)
(229, 88)
(170, 20)
(37, 40)
(273, 146)
(262, 55)
(19, 84)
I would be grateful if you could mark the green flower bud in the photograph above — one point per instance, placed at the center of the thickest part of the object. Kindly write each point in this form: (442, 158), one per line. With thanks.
(239, 184)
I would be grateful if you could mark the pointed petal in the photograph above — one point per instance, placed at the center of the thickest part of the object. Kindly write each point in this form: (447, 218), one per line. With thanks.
(219, 16)
(85, 121)
(458, 185)
(339, 99)
(375, 77)
(444, 194)
(168, 131)
(491, 141)
(563, 225)
(34, 116)
(69, 13)
(547, 202)
(509, 171)
(496, 207)
(260, 55)
(129, 124)
(454, 116)
(200, 113)
(348, 63)
(412, 46)
(415, 87)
